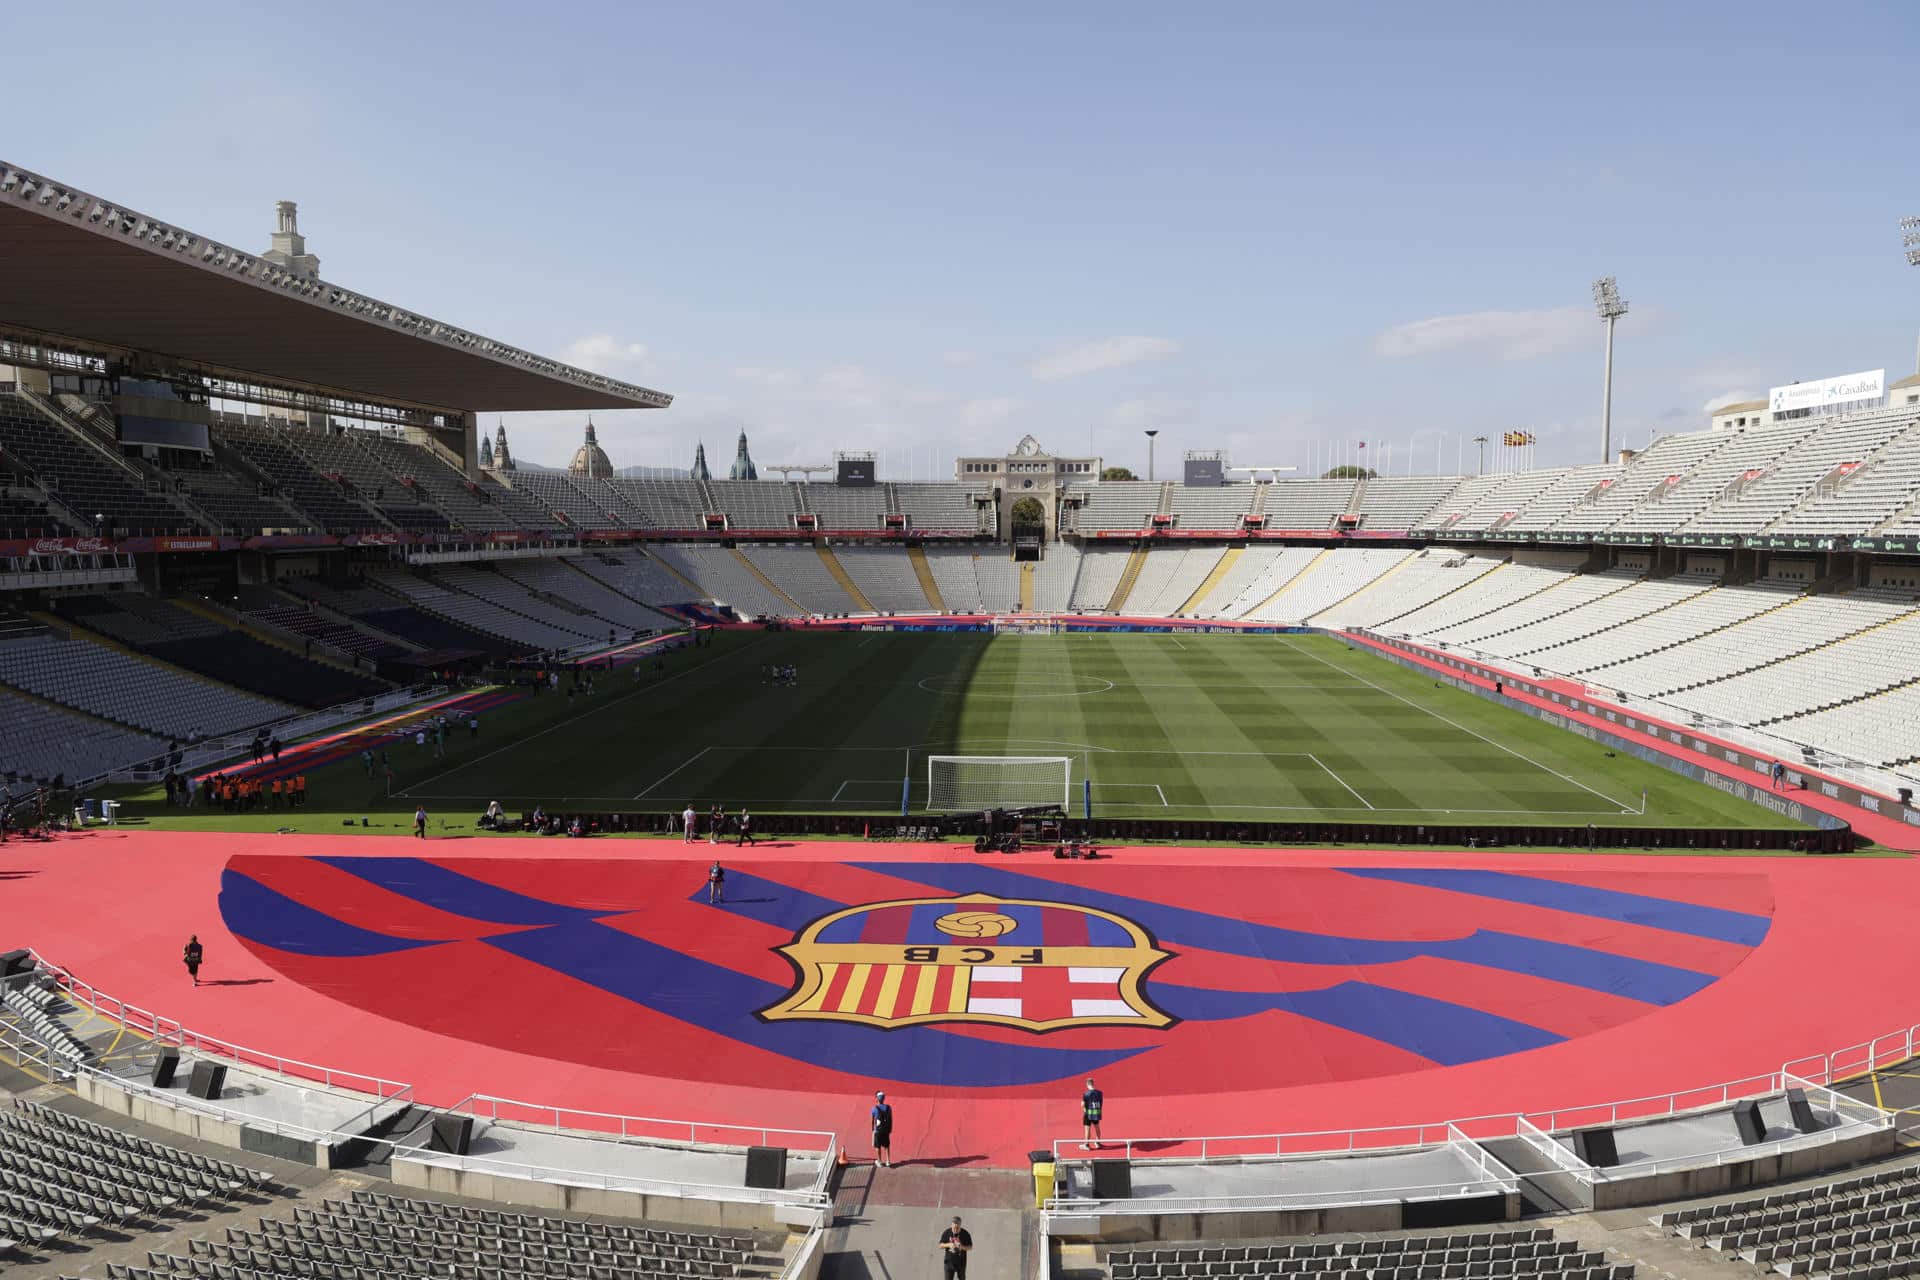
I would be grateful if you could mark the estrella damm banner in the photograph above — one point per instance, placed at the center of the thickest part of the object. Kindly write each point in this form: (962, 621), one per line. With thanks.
(1010, 962)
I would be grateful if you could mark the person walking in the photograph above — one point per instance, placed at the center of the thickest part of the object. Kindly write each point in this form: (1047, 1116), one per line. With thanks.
(955, 1243)
(716, 883)
(715, 821)
(1092, 1103)
(746, 830)
(420, 822)
(688, 821)
(192, 957)
(882, 1116)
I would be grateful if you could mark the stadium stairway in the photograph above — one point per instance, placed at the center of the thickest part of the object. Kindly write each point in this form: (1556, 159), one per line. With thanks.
(1289, 584)
(1531, 619)
(237, 622)
(1128, 576)
(1026, 587)
(68, 625)
(1614, 626)
(1398, 565)
(1786, 603)
(696, 591)
(769, 583)
(1506, 603)
(81, 431)
(924, 571)
(1868, 696)
(1212, 580)
(841, 576)
(1479, 577)
(1797, 653)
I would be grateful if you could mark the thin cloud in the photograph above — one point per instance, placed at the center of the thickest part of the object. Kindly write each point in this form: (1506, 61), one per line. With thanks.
(1502, 335)
(959, 359)
(1107, 353)
(1726, 398)
(603, 353)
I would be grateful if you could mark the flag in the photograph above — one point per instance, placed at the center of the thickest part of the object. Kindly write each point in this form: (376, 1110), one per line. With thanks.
(1363, 444)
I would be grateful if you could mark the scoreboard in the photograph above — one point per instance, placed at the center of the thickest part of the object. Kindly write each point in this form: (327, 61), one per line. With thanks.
(1205, 471)
(854, 473)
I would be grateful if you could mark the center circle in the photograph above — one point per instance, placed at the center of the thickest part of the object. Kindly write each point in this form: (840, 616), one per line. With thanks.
(1064, 685)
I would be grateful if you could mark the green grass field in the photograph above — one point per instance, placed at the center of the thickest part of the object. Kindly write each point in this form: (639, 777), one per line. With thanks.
(1194, 726)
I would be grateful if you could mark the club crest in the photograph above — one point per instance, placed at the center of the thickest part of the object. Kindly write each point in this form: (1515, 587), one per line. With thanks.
(1008, 962)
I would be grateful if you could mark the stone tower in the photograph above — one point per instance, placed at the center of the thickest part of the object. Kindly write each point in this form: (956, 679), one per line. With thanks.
(289, 246)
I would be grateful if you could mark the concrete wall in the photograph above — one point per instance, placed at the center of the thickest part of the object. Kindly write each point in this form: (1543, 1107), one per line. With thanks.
(560, 1197)
(1250, 1224)
(1739, 1175)
(161, 1113)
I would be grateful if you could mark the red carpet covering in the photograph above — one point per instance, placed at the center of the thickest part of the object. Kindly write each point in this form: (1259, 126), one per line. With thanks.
(1208, 991)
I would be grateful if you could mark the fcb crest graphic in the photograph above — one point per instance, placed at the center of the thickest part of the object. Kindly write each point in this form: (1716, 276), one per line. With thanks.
(1008, 962)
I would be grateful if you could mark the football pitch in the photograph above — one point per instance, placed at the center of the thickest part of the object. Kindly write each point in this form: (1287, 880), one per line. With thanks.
(1272, 728)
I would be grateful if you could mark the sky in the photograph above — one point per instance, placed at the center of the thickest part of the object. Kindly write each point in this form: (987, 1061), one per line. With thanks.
(1272, 229)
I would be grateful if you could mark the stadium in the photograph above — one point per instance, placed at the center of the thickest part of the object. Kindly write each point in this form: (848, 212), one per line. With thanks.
(1444, 876)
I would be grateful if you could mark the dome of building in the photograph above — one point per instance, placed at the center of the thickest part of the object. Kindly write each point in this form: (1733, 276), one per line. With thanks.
(590, 459)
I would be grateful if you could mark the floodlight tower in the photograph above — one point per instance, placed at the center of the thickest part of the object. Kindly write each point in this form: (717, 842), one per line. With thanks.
(1910, 241)
(1611, 306)
(1150, 436)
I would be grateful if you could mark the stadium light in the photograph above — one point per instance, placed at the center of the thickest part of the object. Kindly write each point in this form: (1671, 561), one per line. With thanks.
(1611, 306)
(1910, 240)
(1150, 436)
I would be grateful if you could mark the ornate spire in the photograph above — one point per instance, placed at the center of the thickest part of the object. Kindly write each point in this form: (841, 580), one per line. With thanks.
(700, 471)
(743, 468)
(486, 452)
(502, 459)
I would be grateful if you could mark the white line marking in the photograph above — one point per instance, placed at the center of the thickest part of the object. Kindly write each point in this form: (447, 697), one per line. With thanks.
(608, 705)
(642, 794)
(1462, 728)
(1342, 781)
(1177, 644)
(1163, 796)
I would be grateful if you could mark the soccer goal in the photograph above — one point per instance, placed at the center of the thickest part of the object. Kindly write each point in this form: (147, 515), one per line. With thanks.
(959, 784)
(1027, 624)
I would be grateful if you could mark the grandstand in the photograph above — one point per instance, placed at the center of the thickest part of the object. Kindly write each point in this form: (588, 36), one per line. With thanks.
(335, 565)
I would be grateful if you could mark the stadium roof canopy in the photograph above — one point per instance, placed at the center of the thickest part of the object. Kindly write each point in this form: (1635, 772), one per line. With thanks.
(83, 268)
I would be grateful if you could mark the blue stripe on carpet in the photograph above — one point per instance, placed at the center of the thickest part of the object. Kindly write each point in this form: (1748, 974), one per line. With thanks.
(436, 886)
(1605, 904)
(259, 914)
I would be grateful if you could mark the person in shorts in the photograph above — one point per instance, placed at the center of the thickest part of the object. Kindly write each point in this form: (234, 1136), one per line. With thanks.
(882, 1117)
(192, 957)
(716, 883)
(1092, 1103)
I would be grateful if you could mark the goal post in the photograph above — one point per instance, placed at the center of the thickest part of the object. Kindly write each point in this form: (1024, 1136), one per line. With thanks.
(960, 784)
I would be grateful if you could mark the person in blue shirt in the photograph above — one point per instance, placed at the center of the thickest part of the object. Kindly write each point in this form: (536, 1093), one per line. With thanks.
(882, 1116)
(1091, 1104)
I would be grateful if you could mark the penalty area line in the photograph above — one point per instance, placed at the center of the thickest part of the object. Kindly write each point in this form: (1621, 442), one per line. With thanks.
(1342, 781)
(1517, 755)
(642, 793)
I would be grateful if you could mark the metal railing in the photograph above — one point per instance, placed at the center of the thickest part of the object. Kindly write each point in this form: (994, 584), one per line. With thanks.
(483, 1106)
(171, 1033)
(597, 1126)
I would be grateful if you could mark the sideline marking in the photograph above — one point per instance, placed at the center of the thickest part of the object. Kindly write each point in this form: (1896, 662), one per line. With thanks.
(608, 705)
(642, 793)
(1621, 804)
(1342, 781)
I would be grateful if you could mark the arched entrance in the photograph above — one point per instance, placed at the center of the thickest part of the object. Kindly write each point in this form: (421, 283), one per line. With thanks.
(1027, 527)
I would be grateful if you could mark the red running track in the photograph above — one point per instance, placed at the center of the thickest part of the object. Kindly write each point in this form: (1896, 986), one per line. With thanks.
(1212, 991)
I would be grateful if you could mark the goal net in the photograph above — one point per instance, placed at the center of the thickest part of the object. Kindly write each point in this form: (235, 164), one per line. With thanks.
(958, 784)
(1027, 624)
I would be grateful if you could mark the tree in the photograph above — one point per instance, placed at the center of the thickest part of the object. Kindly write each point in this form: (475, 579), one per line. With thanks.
(1028, 513)
(1350, 473)
(1116, 473)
